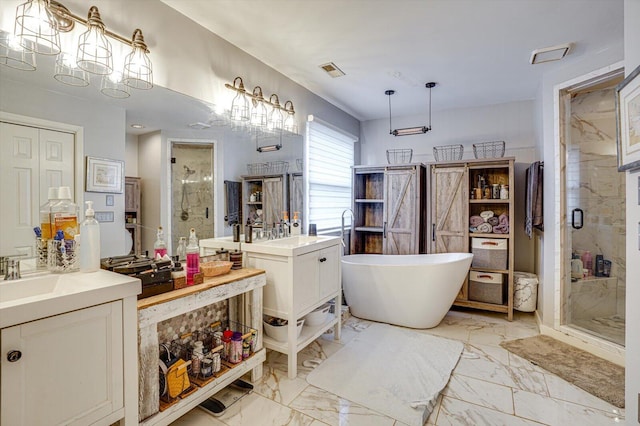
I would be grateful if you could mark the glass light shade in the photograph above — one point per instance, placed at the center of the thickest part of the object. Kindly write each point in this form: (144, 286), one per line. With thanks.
(94, 50)
(240, 107)
(138, 72)
(276, 119)
(36, 28)
(290, 124)
(113, 86)
(67, 71)
(259, 114)
(15, 56)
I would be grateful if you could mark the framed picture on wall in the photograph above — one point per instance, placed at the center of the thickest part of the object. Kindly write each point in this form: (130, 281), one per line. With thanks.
(104, 175)
(628, 121)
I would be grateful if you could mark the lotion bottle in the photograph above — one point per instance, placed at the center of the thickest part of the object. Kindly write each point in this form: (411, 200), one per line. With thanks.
(89, 241)
(193, 257)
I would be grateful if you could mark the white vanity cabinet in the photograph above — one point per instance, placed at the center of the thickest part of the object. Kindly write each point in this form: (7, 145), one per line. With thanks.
(303, 273)
(69, 354)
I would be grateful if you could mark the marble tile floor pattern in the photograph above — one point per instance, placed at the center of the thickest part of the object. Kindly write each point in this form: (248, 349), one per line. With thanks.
(489, 386)
(609, 328)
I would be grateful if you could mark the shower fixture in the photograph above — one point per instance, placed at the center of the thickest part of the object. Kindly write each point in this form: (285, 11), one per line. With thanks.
(185, 197)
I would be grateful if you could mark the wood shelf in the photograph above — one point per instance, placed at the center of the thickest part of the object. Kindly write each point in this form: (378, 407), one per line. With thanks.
(494, 271)
(488, 201)
(483, 235)
(481, 305)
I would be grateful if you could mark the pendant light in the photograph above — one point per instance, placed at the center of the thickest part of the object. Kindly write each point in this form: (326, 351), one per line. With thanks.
(68, 72)
(240, 104)
(36, 28)
(259, 110)
(290, 124)
(410, 130)
(113, 86)
(94, 49)
(138, 72)
(15, 56)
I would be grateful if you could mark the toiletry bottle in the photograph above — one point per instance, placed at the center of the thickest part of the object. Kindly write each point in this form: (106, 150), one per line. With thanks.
(45, 214)
(181, 251)
(295, 226)
(64, 214)
(89, 241)
(159, 247)
(587, 261)
(599, 270)
(193, 257)
(286, 226)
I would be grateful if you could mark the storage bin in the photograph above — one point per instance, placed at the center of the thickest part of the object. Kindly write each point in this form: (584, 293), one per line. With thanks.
(318, 316)
(279, 332)
(525, 291)
(486, 287)
(490, 253)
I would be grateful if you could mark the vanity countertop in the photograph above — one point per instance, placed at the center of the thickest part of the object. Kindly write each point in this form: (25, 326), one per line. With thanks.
(48, 294)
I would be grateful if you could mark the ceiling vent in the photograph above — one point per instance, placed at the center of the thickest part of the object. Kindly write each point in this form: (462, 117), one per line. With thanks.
(331, 69)
(548, 54)
(199, 125)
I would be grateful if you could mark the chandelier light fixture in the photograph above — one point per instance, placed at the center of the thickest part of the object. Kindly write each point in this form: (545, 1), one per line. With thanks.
(418, 130)
(260, 113)
(38, 25)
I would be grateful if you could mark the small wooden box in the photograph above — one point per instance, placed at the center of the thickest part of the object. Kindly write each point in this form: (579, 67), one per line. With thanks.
(198, 278)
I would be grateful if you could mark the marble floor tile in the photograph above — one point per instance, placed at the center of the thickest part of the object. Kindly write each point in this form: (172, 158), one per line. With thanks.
(553, 411)
(489, 386)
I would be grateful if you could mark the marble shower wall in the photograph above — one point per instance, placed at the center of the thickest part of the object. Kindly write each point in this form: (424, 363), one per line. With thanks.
(595, 186)
(192, 194)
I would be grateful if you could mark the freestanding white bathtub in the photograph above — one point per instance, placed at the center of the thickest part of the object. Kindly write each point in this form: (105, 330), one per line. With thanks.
(413, 291)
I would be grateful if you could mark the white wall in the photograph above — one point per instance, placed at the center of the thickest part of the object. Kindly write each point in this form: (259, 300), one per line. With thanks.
(510, 122)
(104, 137)
(632, 379)
(131, 156)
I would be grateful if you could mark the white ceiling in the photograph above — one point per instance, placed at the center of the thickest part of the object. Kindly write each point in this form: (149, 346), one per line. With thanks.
(477, 51)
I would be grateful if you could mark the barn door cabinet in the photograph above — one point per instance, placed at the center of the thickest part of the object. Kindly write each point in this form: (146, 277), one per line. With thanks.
(389, 209)
(264, 199)
(453, 202)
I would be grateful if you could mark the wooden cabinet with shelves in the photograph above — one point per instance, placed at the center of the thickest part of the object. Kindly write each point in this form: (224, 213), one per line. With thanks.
(132, 214)
(264, 199)
(454, 189)
(388, 209)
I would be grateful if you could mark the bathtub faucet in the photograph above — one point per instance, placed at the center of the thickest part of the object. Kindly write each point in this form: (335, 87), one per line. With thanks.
(342, 225)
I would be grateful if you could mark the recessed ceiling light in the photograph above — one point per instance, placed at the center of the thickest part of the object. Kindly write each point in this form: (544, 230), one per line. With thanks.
(548, 54)
(137, 126)
(332, 69)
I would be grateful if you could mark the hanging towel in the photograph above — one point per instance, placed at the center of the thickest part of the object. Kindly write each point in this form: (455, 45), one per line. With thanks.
(534, 198)
(233, 202)
(503, 225)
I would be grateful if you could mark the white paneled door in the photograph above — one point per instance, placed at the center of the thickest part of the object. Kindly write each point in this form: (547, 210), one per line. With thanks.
(31, 161)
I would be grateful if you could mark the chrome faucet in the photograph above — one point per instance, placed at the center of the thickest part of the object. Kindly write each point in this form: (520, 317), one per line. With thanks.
(342, 225)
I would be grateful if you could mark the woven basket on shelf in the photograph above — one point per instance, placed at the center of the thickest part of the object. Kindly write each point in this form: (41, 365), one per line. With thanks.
(257, 168)
(399, 156)
(493, 149)
(448, 152)
(215, 268)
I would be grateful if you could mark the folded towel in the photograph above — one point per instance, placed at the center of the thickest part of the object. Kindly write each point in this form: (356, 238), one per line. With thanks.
(493, 221)
(484, 228)
(473, 229)
(503, 226)
(487, 214)
(475, 220)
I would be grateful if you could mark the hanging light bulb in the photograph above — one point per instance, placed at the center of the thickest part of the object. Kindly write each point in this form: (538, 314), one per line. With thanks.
(36, 27)
(94, 50)
(138, 72)
(259, 110)
(15, 56)
(113, 86)
(276, 118)
(290, 124)
(240, 104)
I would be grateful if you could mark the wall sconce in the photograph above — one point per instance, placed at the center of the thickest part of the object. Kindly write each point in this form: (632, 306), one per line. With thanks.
(410, 130)
(37, 30)
(260, 116)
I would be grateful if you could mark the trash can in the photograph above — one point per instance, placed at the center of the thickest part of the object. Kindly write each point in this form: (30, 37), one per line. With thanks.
(525, 291)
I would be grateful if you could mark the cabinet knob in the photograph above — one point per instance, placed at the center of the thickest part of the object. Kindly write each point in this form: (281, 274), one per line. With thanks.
(323, 259)
(13, 356)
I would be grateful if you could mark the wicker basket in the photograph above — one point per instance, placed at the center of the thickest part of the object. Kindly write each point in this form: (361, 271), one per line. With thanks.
(448, 152)
(399, 156)
(257, 168)
(217, 267)
(494, 149)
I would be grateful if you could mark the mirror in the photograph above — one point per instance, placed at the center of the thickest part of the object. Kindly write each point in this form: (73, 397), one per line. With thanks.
(168, 117)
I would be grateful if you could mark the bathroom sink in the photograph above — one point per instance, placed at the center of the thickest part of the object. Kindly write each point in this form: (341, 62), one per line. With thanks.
(296, 241)
(290, 246)
(11, 291)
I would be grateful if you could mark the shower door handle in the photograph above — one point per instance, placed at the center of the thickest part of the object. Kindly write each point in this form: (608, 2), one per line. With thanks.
(433, 232)
(206, 213)
(384, 230)
(577, 222)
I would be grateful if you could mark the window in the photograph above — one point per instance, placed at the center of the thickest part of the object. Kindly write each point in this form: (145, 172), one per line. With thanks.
(329, 158)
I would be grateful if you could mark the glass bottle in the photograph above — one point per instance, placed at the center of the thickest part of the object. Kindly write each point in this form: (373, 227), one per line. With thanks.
(193, 256)
(159, 247)
(181, 251)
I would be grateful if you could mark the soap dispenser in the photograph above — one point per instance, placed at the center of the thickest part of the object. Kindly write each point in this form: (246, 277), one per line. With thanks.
(295, 225)
(89, 241)
(193, 257)
(159, 247)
